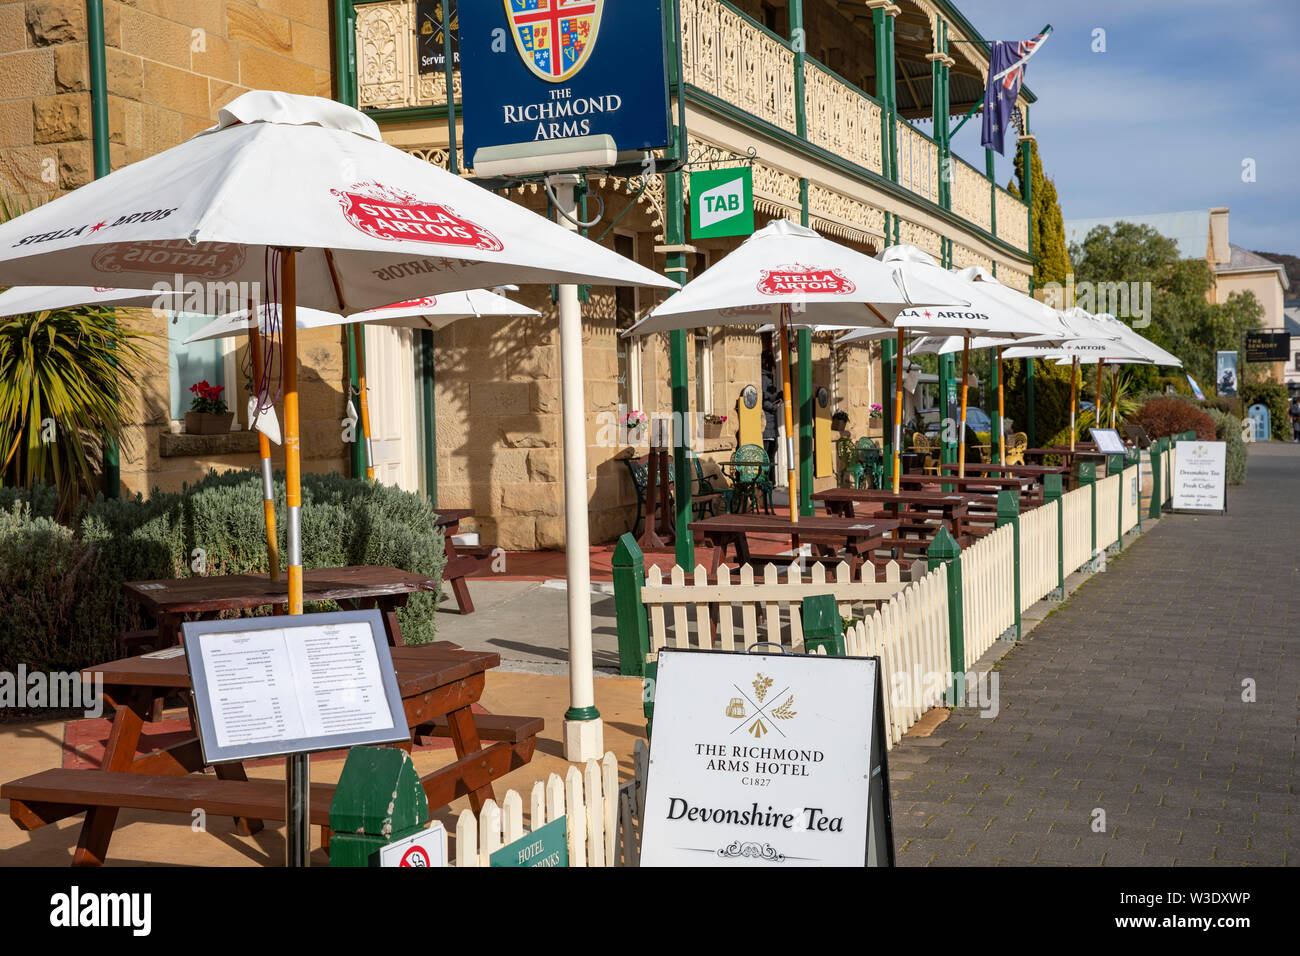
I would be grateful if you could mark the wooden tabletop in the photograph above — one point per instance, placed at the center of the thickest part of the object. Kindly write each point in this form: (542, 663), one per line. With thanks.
(449, 516)
(984, 481)
(419, 668)
(780, 524)
(234, 592)
(1015, 470)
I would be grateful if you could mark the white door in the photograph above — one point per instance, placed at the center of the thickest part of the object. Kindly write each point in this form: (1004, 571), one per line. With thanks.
(390, 380)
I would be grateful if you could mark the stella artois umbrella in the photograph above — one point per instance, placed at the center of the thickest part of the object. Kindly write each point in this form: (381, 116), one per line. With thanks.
(984, 315)
(786, 273)
(49, 298)
(1139, 344)
(1090, 342)
(297, 199)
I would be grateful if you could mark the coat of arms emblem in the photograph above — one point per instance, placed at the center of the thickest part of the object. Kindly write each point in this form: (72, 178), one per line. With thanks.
(554, 37)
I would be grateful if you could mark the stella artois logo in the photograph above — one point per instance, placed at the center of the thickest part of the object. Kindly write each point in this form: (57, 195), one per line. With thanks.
(387, 213)
(760, 706)
(805, 280)
(554, 37)
(208, 260)
(427, 302)
(759, 311)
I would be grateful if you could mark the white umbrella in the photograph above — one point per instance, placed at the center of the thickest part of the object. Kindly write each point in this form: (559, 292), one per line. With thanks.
(48, 298)
(1140, 344)
(284, 183)
(285, 186)
(786, 273)
(429, 312)
(1091, 342)
(988, 315)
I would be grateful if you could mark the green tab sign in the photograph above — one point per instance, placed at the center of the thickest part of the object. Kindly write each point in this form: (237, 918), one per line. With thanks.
(722, 203)
(545, 846)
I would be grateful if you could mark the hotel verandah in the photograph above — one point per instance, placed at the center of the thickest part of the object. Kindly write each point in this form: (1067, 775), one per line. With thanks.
(835, 126)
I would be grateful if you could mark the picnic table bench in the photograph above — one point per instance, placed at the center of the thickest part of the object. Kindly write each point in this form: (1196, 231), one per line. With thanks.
(827, 534)
(919, 513)
(1037, 472)
(170, 601)
(439, 684)
(1030, 493)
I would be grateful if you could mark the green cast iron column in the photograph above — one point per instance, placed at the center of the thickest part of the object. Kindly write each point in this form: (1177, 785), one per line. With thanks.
(799, 44)
(1026, 163)
(675, 233)
(882, 95)
(345, 74)
(99, 131)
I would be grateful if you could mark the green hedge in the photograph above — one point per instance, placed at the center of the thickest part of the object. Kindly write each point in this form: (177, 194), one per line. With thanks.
(61, 600)
(1227, 429)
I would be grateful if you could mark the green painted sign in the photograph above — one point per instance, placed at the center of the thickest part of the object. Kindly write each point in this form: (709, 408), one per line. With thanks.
(722, 203)
(545, 846)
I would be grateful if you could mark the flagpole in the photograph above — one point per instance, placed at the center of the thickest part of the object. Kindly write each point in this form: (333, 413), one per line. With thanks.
(792, 477)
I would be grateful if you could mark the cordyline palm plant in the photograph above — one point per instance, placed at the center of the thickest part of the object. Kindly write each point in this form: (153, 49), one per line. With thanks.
(62, 390)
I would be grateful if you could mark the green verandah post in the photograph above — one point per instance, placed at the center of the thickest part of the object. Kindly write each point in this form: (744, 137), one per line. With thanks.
(1009, 513)
(629, 612)
(945, 550)
(1052, 493)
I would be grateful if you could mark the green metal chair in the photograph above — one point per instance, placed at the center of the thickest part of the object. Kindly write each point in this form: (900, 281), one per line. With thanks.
(851, 470)
(872, 460)
(752, 478)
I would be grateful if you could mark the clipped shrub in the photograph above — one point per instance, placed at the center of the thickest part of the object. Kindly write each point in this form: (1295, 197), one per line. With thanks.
(1162, 417)
(1228, 429)
(344, 522)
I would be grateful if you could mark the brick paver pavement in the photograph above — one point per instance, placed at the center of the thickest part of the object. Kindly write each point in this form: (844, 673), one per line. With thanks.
(1128, 700)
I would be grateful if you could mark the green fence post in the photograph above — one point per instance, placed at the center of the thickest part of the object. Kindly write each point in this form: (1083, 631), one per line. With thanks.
(1052, 492)
(1115, 466)
(629, 612)
(822, 625)
(1157, 486)
(1088, 478)
(945, 550)
(378, 801)
(1135, 459)
(1009, 513)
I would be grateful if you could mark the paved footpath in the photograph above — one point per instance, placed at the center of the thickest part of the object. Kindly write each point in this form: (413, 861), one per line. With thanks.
(1128, 700)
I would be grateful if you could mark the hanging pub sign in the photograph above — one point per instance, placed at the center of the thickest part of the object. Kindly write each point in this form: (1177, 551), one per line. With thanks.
(722, 203)
(544, 70)
(1268, 346)
(767, 760)
(429, 46)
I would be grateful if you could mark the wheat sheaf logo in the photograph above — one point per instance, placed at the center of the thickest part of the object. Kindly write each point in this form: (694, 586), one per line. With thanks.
(762, 707)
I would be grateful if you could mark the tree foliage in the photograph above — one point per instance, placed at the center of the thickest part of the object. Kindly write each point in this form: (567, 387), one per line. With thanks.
(1052, 259)
(1183, 318)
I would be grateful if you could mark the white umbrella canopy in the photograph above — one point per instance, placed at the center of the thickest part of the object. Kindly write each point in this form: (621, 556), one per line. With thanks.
(785, 274)
(373, 225)
(48, 298)
(428, 312)
(788, 266)
(1137, 342)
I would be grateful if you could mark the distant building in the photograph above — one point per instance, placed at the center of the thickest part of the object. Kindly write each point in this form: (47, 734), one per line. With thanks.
(1203, 234)
(1291, 323)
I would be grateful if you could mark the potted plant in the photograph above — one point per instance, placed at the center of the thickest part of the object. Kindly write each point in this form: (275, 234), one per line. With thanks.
(839, 420)
(713, 425)
(208, 414)
(635, 424)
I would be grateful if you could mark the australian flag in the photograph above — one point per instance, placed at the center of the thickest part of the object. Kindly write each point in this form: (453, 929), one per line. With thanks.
(1007, 60)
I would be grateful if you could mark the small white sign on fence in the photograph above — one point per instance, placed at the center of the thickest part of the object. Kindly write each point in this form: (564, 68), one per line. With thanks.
(428, 848)
(766, 760)
(1199, 475)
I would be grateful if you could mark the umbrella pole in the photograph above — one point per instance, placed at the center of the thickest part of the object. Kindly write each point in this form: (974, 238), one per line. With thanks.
(1002, 428)
(898, 410)
(297, 766)
(1114, 396)
(358, 332)
(961, 435)
(1096, 412)
(1074, 396)
(792, 474)
(264, 450)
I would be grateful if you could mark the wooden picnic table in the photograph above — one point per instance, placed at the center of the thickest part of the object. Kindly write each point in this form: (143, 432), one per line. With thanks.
(827, 534)
(920, 513)
(169, 602)
(1029, 492)
(1036, 472)
(439, 684)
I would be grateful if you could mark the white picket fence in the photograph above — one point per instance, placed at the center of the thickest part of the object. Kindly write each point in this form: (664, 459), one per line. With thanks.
(1132, 491)
(598, 818)
(910, 635)
(1108, 511)
(988, 583)
(1038, 554)
(1076, 520)
(733, 602)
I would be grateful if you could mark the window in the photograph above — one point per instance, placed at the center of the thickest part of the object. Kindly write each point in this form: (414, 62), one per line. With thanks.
(776, 19)
(208, 361)
(628, 348)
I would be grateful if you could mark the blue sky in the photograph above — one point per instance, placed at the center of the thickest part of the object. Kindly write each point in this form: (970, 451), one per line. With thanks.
(1163, 119)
